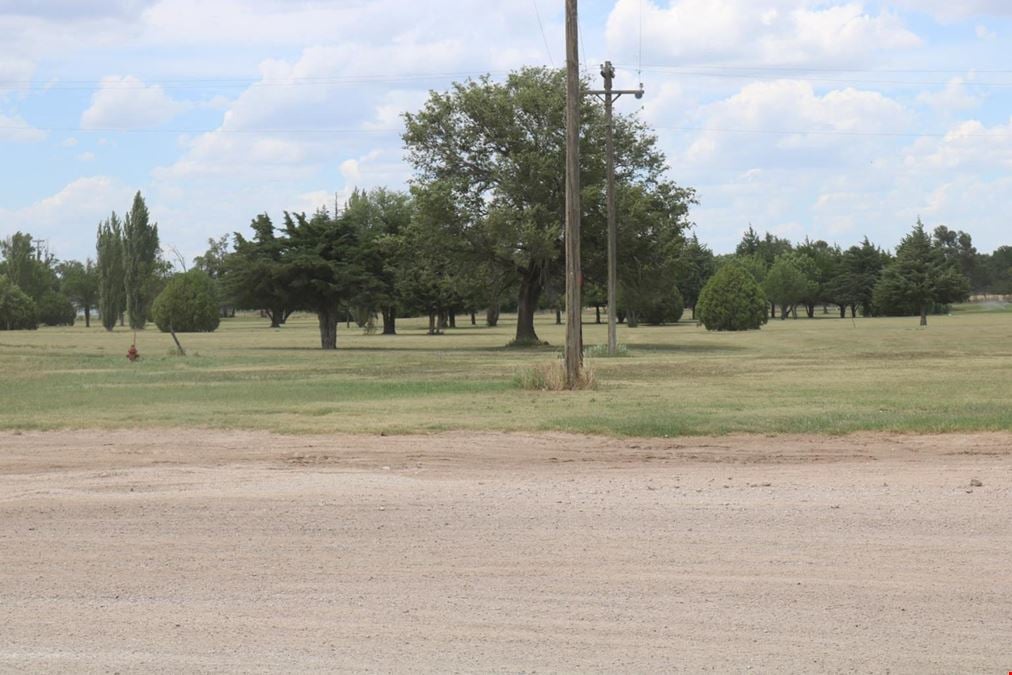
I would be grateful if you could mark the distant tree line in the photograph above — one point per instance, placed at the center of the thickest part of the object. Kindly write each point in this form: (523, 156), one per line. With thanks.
(480, 230)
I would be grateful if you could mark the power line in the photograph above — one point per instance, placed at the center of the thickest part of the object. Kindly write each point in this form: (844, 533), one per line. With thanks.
(677, 70)
(830, 132)
(541, 26)
(201, 83)
(379, 132)
(127, 130)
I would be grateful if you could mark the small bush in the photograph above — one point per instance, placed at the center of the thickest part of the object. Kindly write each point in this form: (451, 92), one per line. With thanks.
(17, 310)
(189, 304)
(56, 309)
(552, 377)
(732, 300)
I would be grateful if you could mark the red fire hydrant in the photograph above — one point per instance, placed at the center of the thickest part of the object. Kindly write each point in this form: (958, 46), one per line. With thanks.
(132, 354)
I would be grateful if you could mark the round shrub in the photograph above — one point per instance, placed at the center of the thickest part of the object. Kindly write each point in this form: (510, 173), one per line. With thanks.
(732, 300)
(56, 309)
(17, 310)
(656, 308)
(188, 304)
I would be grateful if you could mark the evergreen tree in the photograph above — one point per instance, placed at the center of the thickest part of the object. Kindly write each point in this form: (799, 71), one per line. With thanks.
(253, 277)
(109, 263)
(732, 300)
(919, 278)
(140, 258)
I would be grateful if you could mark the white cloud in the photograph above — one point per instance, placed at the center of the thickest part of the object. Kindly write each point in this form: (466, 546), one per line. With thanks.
(127, 103)
(950, 10)
(69, 217)
(16, 129)
(789, 118)
(86, 157)
(985, 33)
(967, 145)
(773, 32)
(953, 97)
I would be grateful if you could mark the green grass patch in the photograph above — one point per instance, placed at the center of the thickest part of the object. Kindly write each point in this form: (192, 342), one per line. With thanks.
(822, 375)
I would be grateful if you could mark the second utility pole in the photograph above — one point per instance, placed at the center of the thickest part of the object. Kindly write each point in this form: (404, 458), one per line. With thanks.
(609, 96)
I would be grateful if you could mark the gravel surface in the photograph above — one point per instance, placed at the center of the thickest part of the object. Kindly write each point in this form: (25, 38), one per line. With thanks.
(210, 551)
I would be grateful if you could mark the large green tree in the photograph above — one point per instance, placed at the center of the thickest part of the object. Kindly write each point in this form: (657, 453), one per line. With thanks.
(789, 282)
(80, 283)
(322, 268)
(254, 272)
(30, 268)
(497, 148)
(853, 282)
(140, 262)
(380, 217)
(919, 278)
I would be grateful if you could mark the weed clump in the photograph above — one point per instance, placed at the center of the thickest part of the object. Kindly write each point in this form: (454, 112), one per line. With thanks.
(552, 377)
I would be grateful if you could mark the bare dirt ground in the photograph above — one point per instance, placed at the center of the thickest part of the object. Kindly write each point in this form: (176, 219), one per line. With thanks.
(173, 551)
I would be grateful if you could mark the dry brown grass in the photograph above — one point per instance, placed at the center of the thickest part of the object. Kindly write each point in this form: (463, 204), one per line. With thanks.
(551, 376)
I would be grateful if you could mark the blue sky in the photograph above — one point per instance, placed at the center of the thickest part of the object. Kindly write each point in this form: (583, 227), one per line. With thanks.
(833, 120)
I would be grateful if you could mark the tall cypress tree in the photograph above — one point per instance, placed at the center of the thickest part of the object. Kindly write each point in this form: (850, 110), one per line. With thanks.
(140, 253)
(111, 289)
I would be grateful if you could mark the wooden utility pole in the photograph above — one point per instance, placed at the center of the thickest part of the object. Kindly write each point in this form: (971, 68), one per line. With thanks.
(574, 277)
(609, 96)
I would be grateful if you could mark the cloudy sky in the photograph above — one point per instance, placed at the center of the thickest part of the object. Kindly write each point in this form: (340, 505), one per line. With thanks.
(803, 117)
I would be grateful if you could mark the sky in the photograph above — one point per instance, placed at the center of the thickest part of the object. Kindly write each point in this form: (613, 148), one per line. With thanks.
(832, 120)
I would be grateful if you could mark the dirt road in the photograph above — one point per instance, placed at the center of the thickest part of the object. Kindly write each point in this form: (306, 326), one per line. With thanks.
(182, 551)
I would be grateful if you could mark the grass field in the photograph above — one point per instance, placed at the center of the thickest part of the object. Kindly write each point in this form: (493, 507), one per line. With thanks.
(813, 376)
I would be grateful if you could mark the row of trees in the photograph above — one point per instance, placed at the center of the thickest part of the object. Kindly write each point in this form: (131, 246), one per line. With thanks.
(928, 272)
(481, 228)
(36, 288)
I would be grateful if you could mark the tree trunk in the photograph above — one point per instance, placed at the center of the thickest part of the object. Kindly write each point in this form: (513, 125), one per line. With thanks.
(924, 315)
(558, 316)
(843, 311)
(432, 323)
(452, 316)
(853, 311)
(693, 312)
(810, 311)
(328, 327)
(87, 316)
(597, 310)
(441, 321)
(389, 321)
(773, 311)
(122, 319)
(527, 304)
(492, 316)
(784, 312)
(474, 319)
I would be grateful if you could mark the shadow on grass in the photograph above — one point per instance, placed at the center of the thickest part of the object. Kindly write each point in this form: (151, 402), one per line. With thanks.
(687, 349)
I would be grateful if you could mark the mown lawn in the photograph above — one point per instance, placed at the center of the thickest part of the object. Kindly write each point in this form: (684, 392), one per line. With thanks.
(824, 375)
